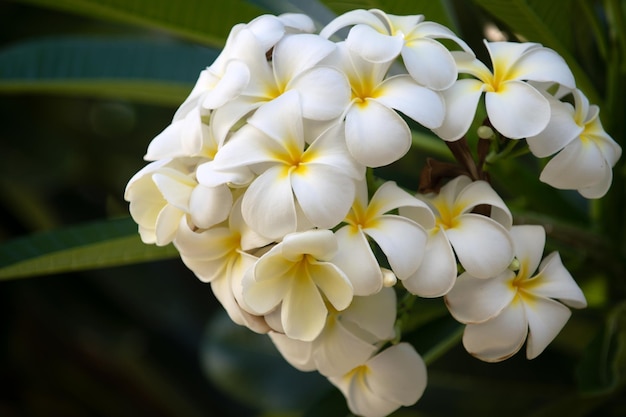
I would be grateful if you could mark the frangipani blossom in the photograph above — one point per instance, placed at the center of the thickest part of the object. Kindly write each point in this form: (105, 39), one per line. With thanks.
(324, 91)
(515, 108)
(166, 190)
(350, 337)
(380, 37)
(502, 311)
(296, 277)
(318, 180)
(376, 134)
(401, 239)
(393, 378)
(586, 153)
(482, 244)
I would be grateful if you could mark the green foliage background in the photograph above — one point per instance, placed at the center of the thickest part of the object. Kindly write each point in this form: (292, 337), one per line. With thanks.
(94, 323)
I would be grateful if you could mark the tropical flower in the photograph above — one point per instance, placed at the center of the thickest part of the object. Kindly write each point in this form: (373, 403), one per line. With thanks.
(586, 153)
(512, 307)
(393, 378)
(318, 180)
(350, 337)
(401, 239)
(379, 37)
(515, 108)
(376, 134)
(481, 243)
(297, 277)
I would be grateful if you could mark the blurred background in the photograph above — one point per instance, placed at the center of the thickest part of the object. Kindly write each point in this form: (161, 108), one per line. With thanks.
(150, 339)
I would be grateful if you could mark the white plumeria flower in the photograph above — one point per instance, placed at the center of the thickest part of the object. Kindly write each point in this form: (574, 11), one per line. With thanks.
(587, 153)
(482, 244)
(164, 191)
(294, 66)
(350, 337)
(296, 277)
(376, 134)
(318, 180)
(393, 378)
(380, 37)
(515, 108)
(219, 255)
(401, 239)
(500, 312)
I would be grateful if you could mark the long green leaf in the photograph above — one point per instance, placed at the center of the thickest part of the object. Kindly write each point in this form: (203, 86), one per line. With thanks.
(158, 72)
(94, 245)
(547, 22)
(207, 22)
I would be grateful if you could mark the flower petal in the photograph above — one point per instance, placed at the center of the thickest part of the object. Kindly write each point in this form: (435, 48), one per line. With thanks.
(429, 63)
(321, 244)
(209, 206)
(374, 315)
(325, 92)
(482, 245)
(461, 101)
(333, 283)
(356, 259)
(554, 281)
(372, 45)
(517, 110)
(546, 318)
(475, 300)
(561, 130)
(528, 241)
(350, 18)
(375, 134)
(437, 273)
(543, 64)
(299, 354)
(499, 338)
(294, 54)
(480, 192)
(303, 312)
(235, 79)
(419, 103)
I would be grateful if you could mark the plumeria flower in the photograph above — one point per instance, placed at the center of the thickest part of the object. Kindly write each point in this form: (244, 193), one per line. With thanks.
(481, 243)
(296, 277)
(165, 191)
(379, 37)
(318, 180)
(350, 337)
(393, 378)
(586, 153)
(324, 91)
(512, 307)
(220, 255)
(401, 239)
(376, 134)
(515, 108)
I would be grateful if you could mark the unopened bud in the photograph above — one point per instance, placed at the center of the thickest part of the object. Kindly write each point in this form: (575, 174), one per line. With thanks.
(515, 265)
(389, 278)
(485, 132)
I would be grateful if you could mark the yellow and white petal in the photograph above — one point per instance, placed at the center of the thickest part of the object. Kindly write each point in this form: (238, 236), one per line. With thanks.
(499, 338)
(554, 281)
(294, 54)
(356, 259)
(325, 92)
(333, 283)
(321, 244)
(303, 311)
(529, 242)
(546, 318)
(461, 101)
(209, 206)
(299, 354)
(480, 192)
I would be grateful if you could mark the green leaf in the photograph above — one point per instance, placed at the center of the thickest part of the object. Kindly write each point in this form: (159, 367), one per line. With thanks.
(207, 22)
(547, 22)
(94, 245)
(157, 72)
(436, 11)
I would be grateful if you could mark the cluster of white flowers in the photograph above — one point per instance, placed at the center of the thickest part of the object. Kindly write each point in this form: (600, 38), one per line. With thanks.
(260, 183)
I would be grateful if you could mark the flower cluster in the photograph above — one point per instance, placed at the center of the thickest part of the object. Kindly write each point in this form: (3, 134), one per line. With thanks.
(261, 183)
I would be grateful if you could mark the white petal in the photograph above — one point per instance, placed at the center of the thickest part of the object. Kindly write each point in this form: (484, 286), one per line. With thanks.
(517, 110)
(461, 101)
(554, 281)
(325, 92)
(303, 313)
(398, 374)
(480, 192)
(373, 45)
(209, 206)
(499, 338)
(175, 186)
(167, 224)
(350, 18)
(475, 300)
(210, 244)
(580, 164)
(528, 241)
(361, 400)
(437, 272)
(167, 144)
(236, 78)
(281, 120)
(375, 134)
(297, 53)
(268, 205)
(356, 259)
(483, 246)
(224, 118)
(419, 103)
(333, 283)
(330, 149)
(402, 241)
(325, 194)
(546, 318)
(561, 130)
(390, 196)
(321, 244)
(299, 354)
(263, 296)
(429, 63)
(374, 315)
(543, 64)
